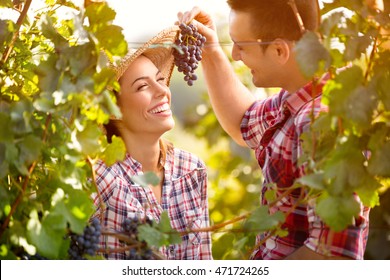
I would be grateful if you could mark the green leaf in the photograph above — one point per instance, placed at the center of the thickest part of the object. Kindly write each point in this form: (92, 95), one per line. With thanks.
(103, 78)
(337, 212)
(75, 206)
(146, 179)
(45, 236)
(6, 3)
(109, 104)
(49, 77)
(12, 154)
(3, 163)
(152, 236)
(344, 168)
(115, 151)
(369, 195)
(165, 226)
(21, 118)
(331, 22)
(270, 195)
(112, 39)
(314, 181)
(6, 134)
(356, 46)
(6, 30)
(159, 235)
(379, 163)
(49, 31)
(30, 149)
(311, 54)
(261, 220)
(99, 14)
(81, 58)
(88, 139)
(344, 82)
(360, 106)
(383, 86)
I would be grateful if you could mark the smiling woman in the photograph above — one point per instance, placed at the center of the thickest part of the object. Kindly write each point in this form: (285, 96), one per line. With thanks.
(144, 100)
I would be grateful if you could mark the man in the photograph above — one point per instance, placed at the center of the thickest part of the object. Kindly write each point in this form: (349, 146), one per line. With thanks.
(264, 33)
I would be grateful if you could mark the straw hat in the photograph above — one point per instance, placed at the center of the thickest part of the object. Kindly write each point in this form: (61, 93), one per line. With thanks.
(158, 50)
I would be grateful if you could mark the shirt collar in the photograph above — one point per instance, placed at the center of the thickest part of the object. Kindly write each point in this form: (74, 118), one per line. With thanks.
(132, 166)
(295, 101)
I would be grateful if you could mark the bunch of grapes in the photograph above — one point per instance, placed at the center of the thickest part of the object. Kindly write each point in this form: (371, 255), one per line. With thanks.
(140, 251)
(190, 43)
(85, 244)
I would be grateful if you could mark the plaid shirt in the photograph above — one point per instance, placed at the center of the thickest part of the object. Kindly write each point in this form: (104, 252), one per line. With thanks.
(272, 127)
(184, 197)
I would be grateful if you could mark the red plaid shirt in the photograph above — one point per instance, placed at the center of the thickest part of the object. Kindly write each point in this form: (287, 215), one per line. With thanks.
(272, 127)
(184, 196)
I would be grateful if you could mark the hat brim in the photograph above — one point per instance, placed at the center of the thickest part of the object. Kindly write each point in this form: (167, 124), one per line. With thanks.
(159, 50)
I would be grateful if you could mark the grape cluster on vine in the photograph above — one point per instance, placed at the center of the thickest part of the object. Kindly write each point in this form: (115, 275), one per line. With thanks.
(86, 243)
(138, 250)
(189, 51)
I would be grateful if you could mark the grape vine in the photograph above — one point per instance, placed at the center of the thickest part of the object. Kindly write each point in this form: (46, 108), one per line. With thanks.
(53, 101)
(86, 243)
(138, 250)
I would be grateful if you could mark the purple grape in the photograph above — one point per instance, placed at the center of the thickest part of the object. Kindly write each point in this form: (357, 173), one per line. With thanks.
(85, 244)
(190, 43)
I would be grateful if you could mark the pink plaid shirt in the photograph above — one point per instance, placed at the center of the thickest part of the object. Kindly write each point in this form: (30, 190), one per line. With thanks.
(184, 196)
(272, 127)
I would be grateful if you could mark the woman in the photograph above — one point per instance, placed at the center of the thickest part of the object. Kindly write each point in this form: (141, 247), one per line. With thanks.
(144, 101)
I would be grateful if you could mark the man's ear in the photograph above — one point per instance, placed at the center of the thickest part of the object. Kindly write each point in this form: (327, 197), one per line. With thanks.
(281, 50)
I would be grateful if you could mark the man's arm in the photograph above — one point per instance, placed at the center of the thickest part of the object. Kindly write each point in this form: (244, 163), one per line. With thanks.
(229, 97)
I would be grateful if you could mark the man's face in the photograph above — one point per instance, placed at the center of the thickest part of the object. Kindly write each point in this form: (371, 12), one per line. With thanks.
(247, 49)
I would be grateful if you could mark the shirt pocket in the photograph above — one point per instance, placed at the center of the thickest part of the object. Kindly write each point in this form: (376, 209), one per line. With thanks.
(187, 190)
(192, 241)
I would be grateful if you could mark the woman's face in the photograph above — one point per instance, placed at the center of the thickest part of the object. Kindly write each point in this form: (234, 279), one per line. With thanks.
(145, 99)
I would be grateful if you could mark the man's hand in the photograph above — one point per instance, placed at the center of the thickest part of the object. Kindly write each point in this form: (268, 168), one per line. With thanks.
(203, 22)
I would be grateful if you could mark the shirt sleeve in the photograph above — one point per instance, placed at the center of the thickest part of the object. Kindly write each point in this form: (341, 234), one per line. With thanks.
(261, 115)
(251, 129)
(351, 242)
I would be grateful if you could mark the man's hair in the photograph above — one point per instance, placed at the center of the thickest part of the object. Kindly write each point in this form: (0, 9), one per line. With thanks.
(273, 19)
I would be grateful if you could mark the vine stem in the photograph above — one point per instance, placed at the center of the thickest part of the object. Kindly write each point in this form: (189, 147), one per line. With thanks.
(371, 59)
(271, 233)
(25, 182)
(132, 244)
(236, 219)
(312, 117)
(19, 23)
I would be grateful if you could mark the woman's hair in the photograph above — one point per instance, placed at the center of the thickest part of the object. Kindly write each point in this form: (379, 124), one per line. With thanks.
(272, 19)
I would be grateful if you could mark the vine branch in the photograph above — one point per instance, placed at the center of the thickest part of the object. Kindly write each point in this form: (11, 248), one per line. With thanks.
(19, 23)
(25, 183)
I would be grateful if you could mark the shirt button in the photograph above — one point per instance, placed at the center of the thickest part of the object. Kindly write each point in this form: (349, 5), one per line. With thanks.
(261, 147)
